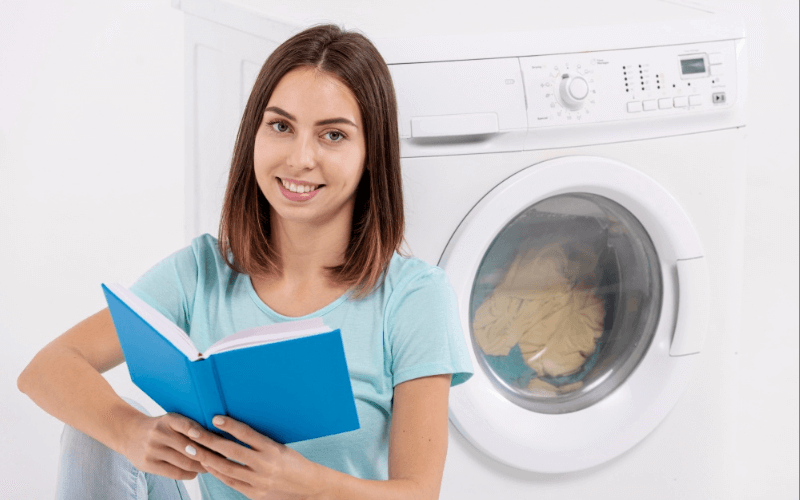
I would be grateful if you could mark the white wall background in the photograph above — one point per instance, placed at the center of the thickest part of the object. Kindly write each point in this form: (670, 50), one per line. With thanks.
(91, 186)
(91, 190)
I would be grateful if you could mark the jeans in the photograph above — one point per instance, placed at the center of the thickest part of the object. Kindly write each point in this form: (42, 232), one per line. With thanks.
(89, 470)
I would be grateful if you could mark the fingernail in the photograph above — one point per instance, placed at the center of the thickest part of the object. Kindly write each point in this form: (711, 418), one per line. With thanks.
(194, 433)
(218, 421)
(190, 450)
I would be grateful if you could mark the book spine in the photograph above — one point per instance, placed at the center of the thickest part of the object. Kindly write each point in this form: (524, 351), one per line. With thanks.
(208, 392)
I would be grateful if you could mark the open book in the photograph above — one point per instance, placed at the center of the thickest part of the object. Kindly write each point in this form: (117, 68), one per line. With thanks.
(288, 381)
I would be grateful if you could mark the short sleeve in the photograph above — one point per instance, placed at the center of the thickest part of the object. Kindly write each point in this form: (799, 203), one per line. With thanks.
(424, 331)
(170, 286)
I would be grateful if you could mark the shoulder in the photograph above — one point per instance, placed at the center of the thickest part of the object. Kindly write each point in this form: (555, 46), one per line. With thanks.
(211, 264)
(404, 270)
(205, 249)
(205, 246)
(411, 276)
(199, 263)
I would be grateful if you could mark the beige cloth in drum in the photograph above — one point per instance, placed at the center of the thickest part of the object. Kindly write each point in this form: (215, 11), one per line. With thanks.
(537, 307)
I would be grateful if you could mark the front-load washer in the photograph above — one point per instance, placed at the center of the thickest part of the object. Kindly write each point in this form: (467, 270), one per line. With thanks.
(597, 261)
(578, 172)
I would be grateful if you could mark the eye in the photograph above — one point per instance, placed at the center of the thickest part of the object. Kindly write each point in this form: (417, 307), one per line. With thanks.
(334, 136)
(279, 126)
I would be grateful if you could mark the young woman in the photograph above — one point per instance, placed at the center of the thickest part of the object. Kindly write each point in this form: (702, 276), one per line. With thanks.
(311, 225)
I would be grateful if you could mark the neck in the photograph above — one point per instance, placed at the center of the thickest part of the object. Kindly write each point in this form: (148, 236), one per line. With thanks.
(306, 250)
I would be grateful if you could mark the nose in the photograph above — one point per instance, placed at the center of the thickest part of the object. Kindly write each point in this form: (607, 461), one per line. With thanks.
(304, 152)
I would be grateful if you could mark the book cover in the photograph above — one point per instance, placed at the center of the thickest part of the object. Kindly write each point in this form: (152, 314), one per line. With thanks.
(288, 381)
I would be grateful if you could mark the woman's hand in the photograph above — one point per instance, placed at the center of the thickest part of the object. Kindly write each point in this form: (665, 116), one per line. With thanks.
(266, 470)
(159, 445)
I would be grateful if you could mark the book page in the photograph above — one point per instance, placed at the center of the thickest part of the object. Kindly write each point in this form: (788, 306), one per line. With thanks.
(162, 325)
(268, 334)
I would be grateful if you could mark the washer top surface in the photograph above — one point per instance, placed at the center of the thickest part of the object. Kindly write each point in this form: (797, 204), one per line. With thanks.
(423, 31)
(425, 18)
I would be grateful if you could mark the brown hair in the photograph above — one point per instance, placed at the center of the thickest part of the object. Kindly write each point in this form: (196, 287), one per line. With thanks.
(378, 220)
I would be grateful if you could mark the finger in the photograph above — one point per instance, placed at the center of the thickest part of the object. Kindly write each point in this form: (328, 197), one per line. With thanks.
(178, 421)
(241, 486)
(181, 426)
(214, 445)
(182, 460)
(230, 469)
(200, 454)
(168, 470)
(194, 452)
(243, 432)
(174, 439)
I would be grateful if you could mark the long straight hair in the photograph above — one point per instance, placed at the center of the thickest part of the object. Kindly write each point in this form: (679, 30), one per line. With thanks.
(378, 219)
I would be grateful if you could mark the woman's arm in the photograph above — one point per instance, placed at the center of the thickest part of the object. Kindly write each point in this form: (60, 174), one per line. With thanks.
(417, 445)
(65, 380)
(267, 470)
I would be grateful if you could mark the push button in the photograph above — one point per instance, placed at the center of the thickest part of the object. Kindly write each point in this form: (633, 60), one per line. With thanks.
(649, 105)
(694, 100)
(665, 103)
(715, 58)
(634, 107)
(681, 102)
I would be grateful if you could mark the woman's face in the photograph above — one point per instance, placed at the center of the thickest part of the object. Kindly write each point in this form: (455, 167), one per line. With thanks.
(310, 149)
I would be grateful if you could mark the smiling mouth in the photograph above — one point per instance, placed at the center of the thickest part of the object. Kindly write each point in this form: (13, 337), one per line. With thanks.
(298, 187)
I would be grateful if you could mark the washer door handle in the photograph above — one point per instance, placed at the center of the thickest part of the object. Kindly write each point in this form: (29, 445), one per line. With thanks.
(454, 125)
(694, 295)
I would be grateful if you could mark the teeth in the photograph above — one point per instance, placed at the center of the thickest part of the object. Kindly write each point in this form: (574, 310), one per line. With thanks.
(303, 188)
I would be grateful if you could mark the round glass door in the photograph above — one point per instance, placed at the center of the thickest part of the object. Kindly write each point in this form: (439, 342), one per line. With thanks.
(565, 302)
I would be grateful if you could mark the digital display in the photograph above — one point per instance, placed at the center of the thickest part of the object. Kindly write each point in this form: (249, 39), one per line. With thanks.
(692, 66)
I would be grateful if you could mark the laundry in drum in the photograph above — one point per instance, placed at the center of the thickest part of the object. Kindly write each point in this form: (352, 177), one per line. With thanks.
(540, 327)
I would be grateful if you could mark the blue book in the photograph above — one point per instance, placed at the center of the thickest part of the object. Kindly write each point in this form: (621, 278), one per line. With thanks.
(288, 381)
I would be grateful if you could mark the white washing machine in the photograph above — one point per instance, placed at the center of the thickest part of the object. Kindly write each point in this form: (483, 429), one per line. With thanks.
(578, 171)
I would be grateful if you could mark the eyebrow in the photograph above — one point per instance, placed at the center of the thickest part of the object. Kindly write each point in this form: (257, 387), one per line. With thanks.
(328, 121)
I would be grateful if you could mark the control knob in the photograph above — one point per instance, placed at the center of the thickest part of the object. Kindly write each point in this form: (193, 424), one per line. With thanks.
(572, 91)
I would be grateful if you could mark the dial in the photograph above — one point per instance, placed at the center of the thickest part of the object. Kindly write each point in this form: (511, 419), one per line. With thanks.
(572, 91)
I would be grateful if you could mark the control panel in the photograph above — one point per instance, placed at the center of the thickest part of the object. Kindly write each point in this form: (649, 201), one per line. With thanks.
(568, 89)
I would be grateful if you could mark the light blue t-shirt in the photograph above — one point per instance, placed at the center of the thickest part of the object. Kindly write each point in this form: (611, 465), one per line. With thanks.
(406, 328)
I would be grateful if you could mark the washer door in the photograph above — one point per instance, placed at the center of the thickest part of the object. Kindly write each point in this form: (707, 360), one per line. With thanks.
(567, 275)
